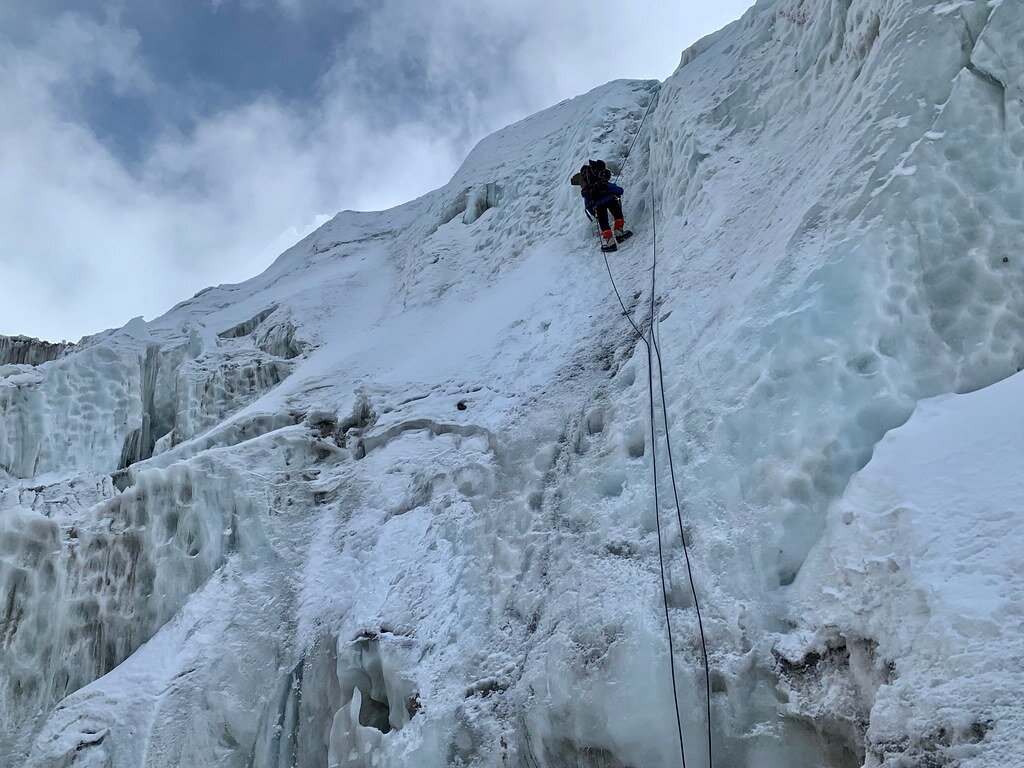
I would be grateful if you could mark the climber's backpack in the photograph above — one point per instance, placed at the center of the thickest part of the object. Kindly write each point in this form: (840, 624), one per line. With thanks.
(594, 177)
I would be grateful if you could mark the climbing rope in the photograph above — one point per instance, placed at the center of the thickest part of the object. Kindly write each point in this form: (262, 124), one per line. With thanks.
(654, 353)
(672, 473)
(657, 509)
(625, 158)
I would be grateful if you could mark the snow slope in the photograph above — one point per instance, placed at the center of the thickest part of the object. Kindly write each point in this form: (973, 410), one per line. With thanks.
(390, 503)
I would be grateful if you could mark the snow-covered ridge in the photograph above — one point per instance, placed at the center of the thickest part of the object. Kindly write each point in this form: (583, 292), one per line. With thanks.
(389, 503)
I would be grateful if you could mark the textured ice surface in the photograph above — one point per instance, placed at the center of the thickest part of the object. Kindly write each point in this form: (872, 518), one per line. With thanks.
(22, 349)
(390, 504)
(917, 583)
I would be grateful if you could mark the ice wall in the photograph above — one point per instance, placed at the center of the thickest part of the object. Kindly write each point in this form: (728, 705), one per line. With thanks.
(82, 594)
(71, 414)
(96, 551)
(884, 270)
(390, 502)
(29, 351)
(920, 621)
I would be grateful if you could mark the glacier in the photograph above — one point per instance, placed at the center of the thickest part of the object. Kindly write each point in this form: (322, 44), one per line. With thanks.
(390, 503)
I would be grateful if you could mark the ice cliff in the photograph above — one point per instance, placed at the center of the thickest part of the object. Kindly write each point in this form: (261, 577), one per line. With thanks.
(390, 503)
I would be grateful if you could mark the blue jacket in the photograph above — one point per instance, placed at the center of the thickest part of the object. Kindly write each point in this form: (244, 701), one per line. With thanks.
(614, 190)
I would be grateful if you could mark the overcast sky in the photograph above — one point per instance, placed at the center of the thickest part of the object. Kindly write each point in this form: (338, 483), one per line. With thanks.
(150, 148)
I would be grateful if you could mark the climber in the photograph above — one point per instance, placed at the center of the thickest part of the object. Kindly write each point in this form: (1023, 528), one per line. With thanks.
(601, 198)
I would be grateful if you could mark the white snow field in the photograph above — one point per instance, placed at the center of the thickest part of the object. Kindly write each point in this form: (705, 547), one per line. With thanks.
(390, 503)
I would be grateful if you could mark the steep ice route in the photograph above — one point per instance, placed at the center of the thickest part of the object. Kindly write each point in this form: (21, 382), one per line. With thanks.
(389, 503)
(348, 302)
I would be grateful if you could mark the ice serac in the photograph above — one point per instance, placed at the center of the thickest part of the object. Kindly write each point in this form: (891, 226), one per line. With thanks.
(390, 502)
(26, 350)
(919, 621)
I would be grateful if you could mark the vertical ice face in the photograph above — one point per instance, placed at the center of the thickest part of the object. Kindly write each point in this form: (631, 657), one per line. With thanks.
(88, 573)
(875, 282)
(26, 350)
(71, 414)
(390, 503)
(353, 683)
(82, 593)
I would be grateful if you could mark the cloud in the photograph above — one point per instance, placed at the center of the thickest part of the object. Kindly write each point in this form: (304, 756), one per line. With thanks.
(200, 209)
(90, 238)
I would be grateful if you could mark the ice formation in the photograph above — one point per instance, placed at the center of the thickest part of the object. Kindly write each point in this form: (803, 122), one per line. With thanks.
(390, 503)
(22, 349)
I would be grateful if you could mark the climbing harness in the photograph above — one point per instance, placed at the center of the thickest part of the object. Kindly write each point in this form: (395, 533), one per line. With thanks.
(654, 353)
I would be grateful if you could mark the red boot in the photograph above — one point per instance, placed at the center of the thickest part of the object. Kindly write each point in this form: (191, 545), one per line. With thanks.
(608, 242)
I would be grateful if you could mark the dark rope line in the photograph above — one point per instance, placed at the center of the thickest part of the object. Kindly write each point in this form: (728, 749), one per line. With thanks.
(657, 507)
(654, 465)
(654, 351)
(654, 98)
(661, 552)
(625, 312)
(686, 549)
(672, 471)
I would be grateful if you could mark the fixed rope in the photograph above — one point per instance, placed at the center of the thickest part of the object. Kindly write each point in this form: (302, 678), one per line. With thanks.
(672, 471)
(625, 158)
(654, 353)
(657, 511)
(686, 548)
